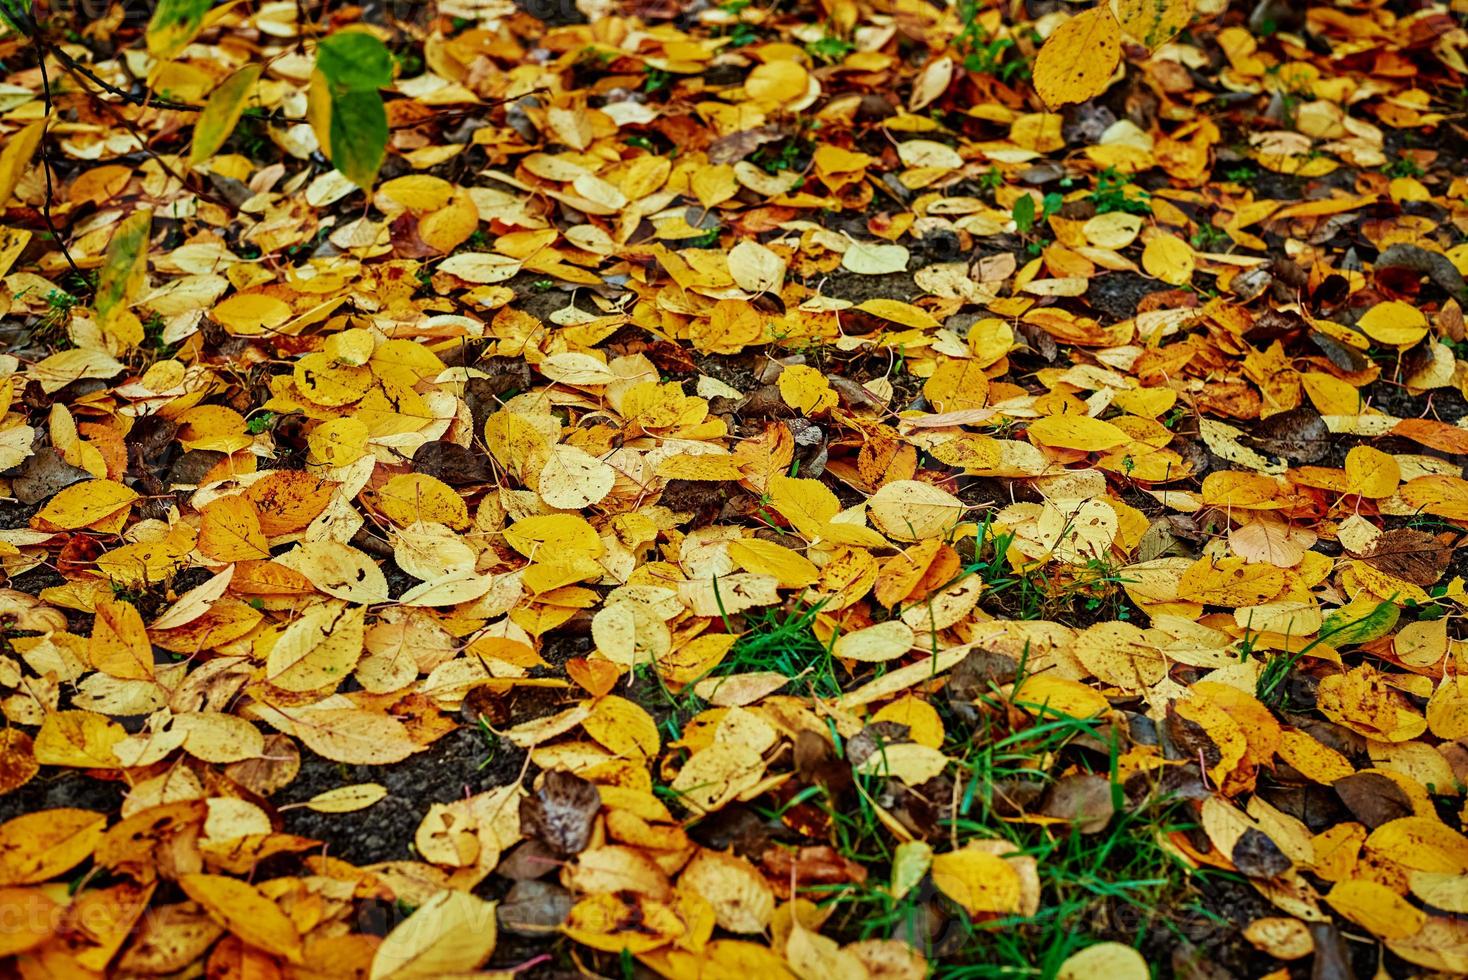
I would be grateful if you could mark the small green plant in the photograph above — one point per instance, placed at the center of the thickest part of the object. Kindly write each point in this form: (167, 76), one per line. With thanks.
(1025, 216)
(1402, 166)
(783, 156)
(1211, 238)
(263, 422)
(984, 54)
(829, 49)
(656, 80)
(153, 328)
(741, 35)
(51, 330)
(1115, 192)
(491, 742)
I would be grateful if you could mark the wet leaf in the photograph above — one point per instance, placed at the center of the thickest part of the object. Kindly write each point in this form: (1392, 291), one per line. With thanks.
(561, 811)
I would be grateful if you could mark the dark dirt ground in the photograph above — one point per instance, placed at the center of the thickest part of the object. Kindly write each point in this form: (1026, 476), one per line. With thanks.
(463, 762)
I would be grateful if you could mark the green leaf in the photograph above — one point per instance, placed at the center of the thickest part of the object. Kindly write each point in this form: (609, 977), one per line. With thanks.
(358, 135)
(1360, 621)
(1024, 214)
(125, 264)
(222, 113)
(174, 24)
(355, 61)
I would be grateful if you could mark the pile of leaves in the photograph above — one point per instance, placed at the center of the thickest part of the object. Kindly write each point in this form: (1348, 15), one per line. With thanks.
(820, 489)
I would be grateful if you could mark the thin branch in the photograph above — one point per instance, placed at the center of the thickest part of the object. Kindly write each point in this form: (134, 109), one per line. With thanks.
(46, 158)
(149, 101)
(132, 129)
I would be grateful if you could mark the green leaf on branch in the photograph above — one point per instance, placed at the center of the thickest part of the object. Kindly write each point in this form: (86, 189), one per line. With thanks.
(358, 135)
(351, 127)
(125, 265)
(344, 106)
(222, 113)
(354, 60)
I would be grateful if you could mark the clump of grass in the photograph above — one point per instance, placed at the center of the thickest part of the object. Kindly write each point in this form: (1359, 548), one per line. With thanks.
(1118, 883)
(1081, 595)
(781, 639)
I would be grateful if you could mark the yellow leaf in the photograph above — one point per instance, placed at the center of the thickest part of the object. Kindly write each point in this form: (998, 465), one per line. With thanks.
(1077, 62)
(16, 157)
(776, 82)
(119, 645)
(321, 380)
(623, 728)
(214, 736)
(78, 738)
(1112, 961)
(230, 530)
(83, 504)
(957, 384)
(452, 933)
(807, 504)
(1039, 693)
(572, 478)
(794, 570)
(222, 113)
(742, 899)
(554, 537)
(339, 570)
(346, 799)
(599, 921)
(899, 312)
(318, 650)
(1169, 258)
(806, 390)
(451, 225)
(1376, 908)
(1372, 473)
(39, 846)
(414, 192)
(13, 242)
(1230, 582)
(1150, 21)
(924, 726)
(64, 367)
(1114, 230)
(910, 510)
(1077, 432)
(755, 268)
(985, 885)
(249, 314)
(288, 500)
(412, 497)
(1394, 323)
(245, 912)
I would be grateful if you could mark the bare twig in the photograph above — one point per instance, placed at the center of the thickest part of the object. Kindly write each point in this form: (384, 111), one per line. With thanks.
(149, 100)
(46, 160)
(132, 128)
